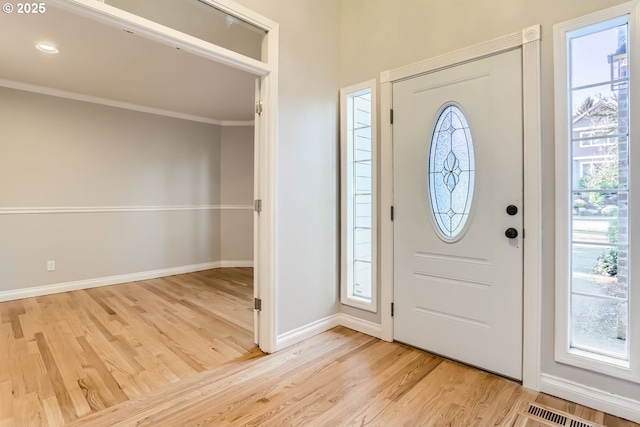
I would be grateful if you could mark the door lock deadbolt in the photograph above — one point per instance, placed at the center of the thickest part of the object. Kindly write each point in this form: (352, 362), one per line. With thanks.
(511, 233)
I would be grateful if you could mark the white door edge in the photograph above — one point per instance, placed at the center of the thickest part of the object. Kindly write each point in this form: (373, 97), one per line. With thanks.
(266, 237)
(257, 139)
(529, 41)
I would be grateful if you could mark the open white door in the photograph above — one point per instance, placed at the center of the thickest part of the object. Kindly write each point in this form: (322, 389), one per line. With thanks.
(256, 214)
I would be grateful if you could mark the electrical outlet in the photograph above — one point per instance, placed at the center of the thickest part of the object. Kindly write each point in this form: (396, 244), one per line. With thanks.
(51, 265)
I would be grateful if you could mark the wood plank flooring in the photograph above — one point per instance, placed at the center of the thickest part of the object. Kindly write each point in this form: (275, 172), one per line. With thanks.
(178, 351)
(67, 355)
(342, 378)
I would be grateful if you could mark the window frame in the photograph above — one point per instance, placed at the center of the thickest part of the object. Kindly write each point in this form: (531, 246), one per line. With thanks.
(628, 370)
(346, 228)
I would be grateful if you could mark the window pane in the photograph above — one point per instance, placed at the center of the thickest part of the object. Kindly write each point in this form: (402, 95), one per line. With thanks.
(362, 279)
(592, 52)
(451, 171)
(598, 106)
(363, 177)
(597, 172)
(362, 211)
(363, 244)
(599, 325)
(358, 186)
(362, 112)
(598, 204)
(362, 144)
(599, 126)
(594, 271)
(605, 226)
(200, 20)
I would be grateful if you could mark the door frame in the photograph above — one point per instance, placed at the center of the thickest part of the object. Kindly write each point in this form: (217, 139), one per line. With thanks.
(528, 40)
(266, 134)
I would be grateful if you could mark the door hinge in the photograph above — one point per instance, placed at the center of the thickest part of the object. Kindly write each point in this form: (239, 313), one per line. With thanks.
(523, 233)
(391, 213)
(257, 205)
(257, 304)
(391, 115)
(259, 108)
(392, 312)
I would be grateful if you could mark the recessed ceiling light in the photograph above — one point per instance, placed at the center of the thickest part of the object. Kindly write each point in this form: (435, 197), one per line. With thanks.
(46, 48)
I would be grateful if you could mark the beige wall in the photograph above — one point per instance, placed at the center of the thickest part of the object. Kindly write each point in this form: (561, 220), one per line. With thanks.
(96, 245)
(61, 153)
(379, 35)
(236, 189)
(307, 198)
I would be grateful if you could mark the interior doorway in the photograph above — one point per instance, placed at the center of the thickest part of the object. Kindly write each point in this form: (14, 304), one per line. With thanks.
(155, 70)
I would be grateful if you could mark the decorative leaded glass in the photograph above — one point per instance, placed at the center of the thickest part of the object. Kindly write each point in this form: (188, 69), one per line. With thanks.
(451, 172)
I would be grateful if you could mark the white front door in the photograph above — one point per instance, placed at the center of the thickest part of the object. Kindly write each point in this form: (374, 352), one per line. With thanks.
(457, 276)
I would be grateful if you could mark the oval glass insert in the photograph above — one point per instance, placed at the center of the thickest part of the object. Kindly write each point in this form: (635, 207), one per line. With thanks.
(451, 172)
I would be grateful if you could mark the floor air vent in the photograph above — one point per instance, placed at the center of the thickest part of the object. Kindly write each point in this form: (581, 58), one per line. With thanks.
(547, 415)
(552, 417)
(576, 423)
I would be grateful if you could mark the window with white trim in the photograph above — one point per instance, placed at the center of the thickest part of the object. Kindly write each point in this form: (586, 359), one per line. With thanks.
(358, 198)
(595, 235)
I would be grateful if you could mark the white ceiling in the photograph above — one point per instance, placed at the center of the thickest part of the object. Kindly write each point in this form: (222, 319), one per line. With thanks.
(106, 62)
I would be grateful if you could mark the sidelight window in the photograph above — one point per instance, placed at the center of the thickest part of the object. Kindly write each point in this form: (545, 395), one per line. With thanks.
(358, 196)
(594, 193)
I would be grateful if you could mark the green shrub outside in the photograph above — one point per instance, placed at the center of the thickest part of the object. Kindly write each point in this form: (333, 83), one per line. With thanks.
(607, 263)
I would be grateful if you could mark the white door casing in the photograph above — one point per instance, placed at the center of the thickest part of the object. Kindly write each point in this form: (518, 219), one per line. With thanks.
(461, 297)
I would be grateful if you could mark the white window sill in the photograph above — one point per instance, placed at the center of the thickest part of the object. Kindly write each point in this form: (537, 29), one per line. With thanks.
(598, 363)
(361, 303)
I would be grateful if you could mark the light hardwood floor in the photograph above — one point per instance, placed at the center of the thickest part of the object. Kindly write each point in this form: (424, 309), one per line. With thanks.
(177, 352)
(67, 355)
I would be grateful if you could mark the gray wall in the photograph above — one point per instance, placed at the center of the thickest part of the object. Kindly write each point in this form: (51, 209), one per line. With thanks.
(378, 35)
(307, 156)
(236, 189)
(62, 153)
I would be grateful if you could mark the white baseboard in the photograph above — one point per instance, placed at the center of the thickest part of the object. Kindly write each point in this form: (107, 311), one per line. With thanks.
(592, 397)
(114, 280)
(235, 263)
(307, 331)
(314, 328)
(364, 326)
